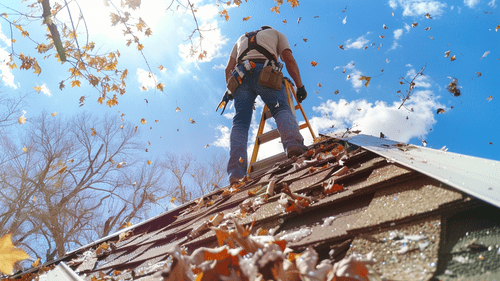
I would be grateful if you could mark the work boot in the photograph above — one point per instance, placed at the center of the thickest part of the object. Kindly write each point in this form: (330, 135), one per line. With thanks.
(295, 151)
(233, 181)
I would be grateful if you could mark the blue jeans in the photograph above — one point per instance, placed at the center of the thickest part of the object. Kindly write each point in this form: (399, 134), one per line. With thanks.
(277, 102)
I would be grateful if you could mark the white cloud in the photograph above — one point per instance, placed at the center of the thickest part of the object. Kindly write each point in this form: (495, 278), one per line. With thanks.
(212, 43)
(344, 21)
(206, 12)
(398, 33)
(407, 27)
(219, 66)
(229, 115)
(420, 81)
(471, 3)
(222, 140)
(354, 75)
(492, 4)
(357, 44)
(146, 79)
(6, 75)
(419, 7)
(195, 77)
(372, 119)
(45, 90)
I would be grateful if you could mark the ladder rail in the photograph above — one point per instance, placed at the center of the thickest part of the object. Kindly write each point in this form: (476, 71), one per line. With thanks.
(290, 97)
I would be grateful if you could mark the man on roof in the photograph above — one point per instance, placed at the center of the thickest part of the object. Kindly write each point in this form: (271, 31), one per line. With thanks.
(254, 70)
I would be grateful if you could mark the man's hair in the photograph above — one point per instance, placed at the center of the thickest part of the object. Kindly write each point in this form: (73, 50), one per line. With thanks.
(264, 27)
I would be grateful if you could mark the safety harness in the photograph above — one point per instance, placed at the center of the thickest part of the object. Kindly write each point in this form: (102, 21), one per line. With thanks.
(252, 45)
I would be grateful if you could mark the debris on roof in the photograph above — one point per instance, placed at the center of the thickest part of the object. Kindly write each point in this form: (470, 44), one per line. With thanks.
(362, 208)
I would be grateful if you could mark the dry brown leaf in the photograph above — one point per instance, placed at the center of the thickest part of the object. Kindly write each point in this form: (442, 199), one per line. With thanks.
(9, 254)
(314, 63)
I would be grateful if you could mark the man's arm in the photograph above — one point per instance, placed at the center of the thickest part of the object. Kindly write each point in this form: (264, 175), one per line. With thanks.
(291, 67)
(229, 67)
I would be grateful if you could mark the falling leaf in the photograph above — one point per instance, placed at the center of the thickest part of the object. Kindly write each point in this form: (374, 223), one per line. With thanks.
(284, 21)
(453, 58)
(313, 63)
(62, 170)
(9, 254)
(275, 9)
(119, 165)
(160, 86)
(178, 109)
(479, 74)
(38, 89)
(489, 98)
(319, 85)
(440, 110)
(305, 40)
(298, 20)
(359, 109)
(53, 114)
(447, 54)
(241, 160)
(22, 119)
(490, 141)
(160, 67)
(497, 28)
(336, 92)
(247, 18)
(75, 83)
(340, 46)
(414, 24)
(384, 26)
(172, 199)
(427, 28)
(382, 36)
(485, 54)
(431, 37)
(207, 145)
(192, 121)
(367, 79)
(424, 143)
(348, 76)
(143, 121)
(25, 149)
(149, 162)
(428, 16)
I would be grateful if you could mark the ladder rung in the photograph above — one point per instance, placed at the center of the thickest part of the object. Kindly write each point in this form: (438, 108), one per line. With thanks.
(302, 126)
(268, 136)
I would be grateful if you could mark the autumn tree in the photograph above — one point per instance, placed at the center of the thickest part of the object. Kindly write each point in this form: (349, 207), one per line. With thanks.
(64, 173)
(62, 35)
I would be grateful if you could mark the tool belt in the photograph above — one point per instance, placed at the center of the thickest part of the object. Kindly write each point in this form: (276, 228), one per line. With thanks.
(271, 78)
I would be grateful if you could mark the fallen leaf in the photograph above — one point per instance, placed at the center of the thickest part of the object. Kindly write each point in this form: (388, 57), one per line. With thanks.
(427, 28)
(149, 162)
(489, 98)
(298, 20)
(336, 92)
(207, 145)
(447, 54)
(453, 58)
(22, 119)
(497, 28)
(414, 24)
(9, 254)
(25, 149)
(384, 26)
(143, 121)
(284, 21)
(305, 40)
(36, 263)
(172, 199)
(428, 16)
(177, 109)
(340, 46)
(241, 160)
(313, 63)
(431, 37)
(247, 18)
(440, 110)
(382, 36)
(192, 121)
(53, 114)
(485, 54)
(319, 85)
(479, 74)
(367, 79)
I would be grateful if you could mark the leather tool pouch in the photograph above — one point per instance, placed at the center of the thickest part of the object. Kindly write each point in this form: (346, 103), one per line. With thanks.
(271, 78)
(232, 84)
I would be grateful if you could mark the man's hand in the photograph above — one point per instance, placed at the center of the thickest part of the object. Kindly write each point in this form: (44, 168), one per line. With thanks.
(301, 94)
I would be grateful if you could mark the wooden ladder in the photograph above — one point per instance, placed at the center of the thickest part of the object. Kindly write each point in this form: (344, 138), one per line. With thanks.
(274, 134)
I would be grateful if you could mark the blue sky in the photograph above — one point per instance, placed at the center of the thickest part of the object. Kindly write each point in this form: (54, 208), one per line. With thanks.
(465, 28)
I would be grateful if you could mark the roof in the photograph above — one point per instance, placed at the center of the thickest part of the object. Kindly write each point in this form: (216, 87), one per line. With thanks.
(333, 205)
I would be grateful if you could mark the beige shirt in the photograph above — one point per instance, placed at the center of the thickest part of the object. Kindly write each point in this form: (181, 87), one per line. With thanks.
(272, 40)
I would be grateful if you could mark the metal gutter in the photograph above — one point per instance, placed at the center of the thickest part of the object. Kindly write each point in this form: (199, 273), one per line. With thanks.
(475, 176)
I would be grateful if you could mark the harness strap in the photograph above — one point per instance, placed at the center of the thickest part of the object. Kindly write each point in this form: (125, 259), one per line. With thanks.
(252, 45)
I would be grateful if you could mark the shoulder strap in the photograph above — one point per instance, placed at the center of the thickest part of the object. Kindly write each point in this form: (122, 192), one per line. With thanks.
(252, 45)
